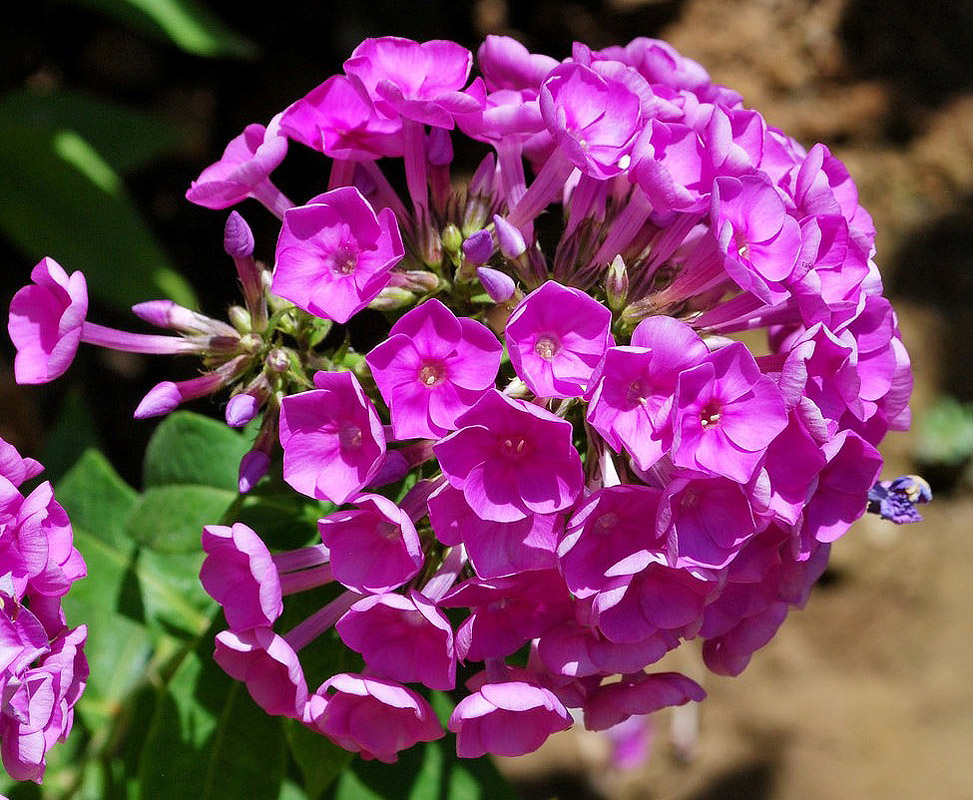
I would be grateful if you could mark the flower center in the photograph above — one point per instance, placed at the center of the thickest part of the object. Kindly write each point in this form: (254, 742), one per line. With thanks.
(636, 393)
(513, 447)
(431, 374)
(349, 437)
(742, 245)
(546, 347)
(710, 416)
(344, 258)
(690, 499)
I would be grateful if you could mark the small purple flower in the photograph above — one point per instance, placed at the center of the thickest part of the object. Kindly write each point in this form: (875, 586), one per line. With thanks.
(837, 498)
(507, 612)
(506, 719)
(243, 170)
(512, 459)
(45, 323)
(374, 717)
(556, 338)
(374, 548)
(897, 500)
(507, 64)
(332, 438)
(334, 255)
(402, 638)
(433, 368)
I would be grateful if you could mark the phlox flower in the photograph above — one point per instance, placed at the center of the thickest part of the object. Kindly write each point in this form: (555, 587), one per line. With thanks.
(334, 254)
(432, 368)
(511, 459)
(332, 438)
(507, 719)
(556, 338)
(45, 324)
(593, 119)
(706, 520)
(239, 573)
(335, 119)
(496, 549)
(758, 238)
(632, 399)
(371, 716)
(610, 526)
(402, 638)
(725, 414)
(269, 667)
(419, 81)
(639, 694)
(243, 170)
(373, 548)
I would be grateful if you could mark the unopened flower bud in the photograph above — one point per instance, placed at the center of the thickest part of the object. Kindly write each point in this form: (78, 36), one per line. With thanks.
(479, 247)
(452, 238)
(278, 360)
(253, 466)
(420, 281)
(616, 283)
(237, 237)
(484, 179)
(240, 318)
(391, 298)
(241, 409)
(509, 238)
(497, 284)
(161, 399)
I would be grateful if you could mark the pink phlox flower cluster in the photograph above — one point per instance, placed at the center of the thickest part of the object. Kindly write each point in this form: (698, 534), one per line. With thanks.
(572, 452)
(43, 669)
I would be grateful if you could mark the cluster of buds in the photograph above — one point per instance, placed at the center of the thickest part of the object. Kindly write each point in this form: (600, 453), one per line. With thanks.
(559, 465)
(42, 664)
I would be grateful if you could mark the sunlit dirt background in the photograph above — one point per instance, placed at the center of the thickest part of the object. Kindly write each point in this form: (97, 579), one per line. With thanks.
(868, 692)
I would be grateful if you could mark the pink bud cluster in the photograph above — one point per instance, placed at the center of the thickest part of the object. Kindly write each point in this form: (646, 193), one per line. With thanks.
(42, 664)
(573, 452)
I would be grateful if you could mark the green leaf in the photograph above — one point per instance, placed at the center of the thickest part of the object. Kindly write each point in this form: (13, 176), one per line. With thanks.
(208, 740)
(191, 448)
(170, 519)
(320, 761)
(186, 23)
(61, 198)
(945, 432)
(97, 499)
(127, 139)
(173, 599)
